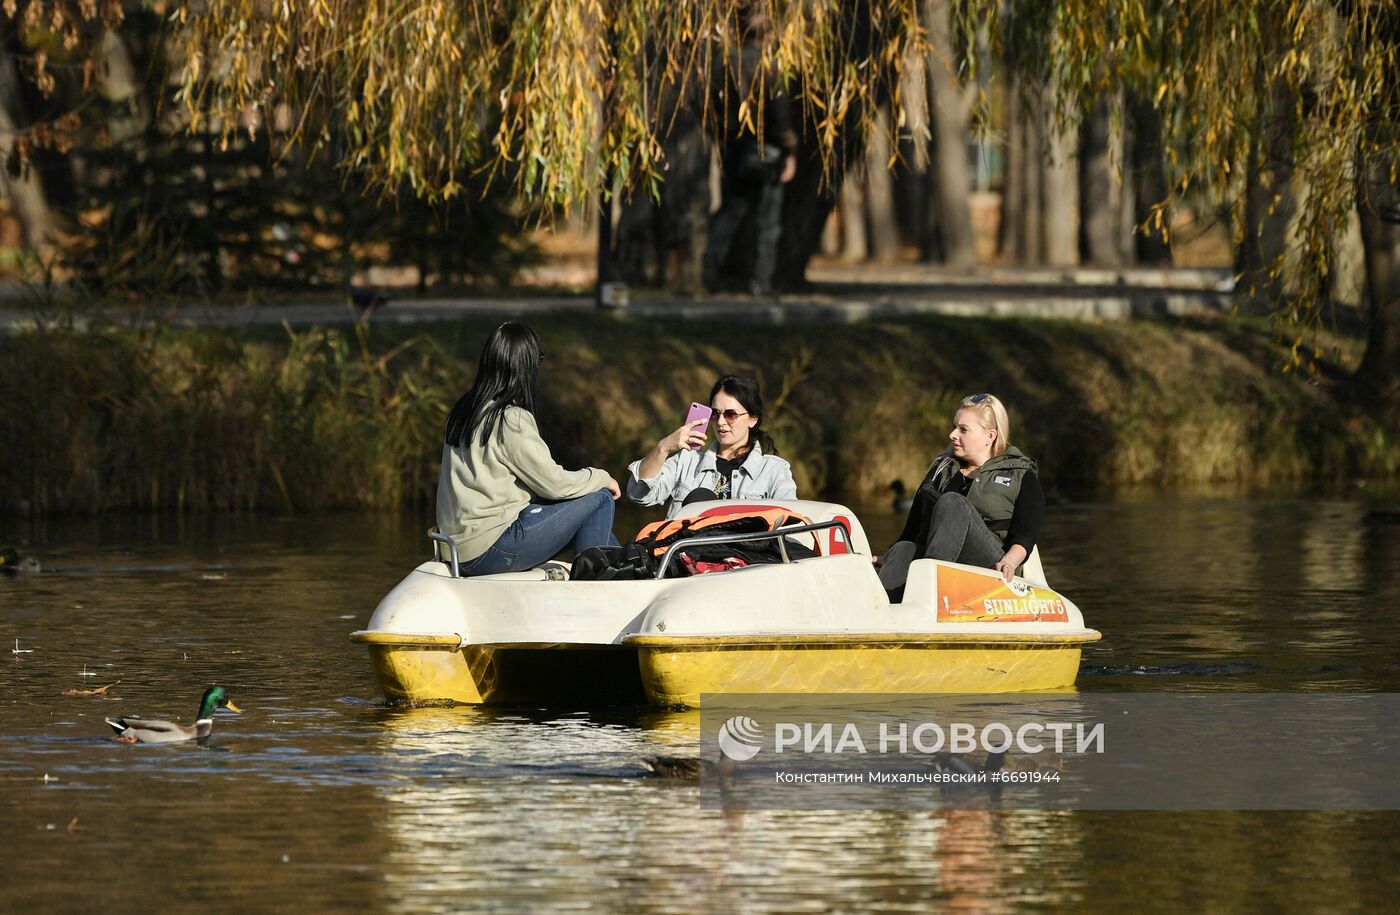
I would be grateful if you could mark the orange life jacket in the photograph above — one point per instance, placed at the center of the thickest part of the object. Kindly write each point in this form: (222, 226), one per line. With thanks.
(658, 536)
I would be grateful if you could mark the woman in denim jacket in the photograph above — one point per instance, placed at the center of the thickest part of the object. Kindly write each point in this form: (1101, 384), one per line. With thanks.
(741, 463)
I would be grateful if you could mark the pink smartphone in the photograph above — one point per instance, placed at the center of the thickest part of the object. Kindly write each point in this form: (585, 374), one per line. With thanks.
(698, 411)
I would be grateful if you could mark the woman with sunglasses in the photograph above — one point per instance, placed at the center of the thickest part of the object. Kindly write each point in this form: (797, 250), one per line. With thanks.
(501, 497)
(741, 463)
(980, 503)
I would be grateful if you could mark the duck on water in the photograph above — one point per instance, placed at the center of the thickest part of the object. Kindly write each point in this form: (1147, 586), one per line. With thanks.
(11, 562)
(903, 500)
(156, 730)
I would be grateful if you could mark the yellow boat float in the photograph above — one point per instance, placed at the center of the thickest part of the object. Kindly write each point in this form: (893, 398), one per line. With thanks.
(814, 625)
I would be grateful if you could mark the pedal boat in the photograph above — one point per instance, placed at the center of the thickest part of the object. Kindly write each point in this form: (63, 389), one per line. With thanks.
(815, 625)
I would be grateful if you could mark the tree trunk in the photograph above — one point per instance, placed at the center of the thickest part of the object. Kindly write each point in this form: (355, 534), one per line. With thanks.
(1128, 205)
(911, 199)
(1101, 206)
(1059, 159)
(879, 193)
(1040, 209)
(1013, 190)
(952, 179)
(1030, 240)
(831, 235)
(913, 192)
(1379, 373)
(1148, 180)
(852, 204)
(25, 191)
(120, 85)
(1269, 202)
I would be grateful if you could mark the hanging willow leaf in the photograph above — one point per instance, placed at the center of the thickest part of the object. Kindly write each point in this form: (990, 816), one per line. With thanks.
(1219, 72)
(436, 90)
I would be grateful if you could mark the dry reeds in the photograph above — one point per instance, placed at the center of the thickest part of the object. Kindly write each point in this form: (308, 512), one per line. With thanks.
(160, 418)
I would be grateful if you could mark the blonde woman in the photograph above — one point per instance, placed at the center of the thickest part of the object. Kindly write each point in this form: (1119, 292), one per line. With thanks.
(980, 503)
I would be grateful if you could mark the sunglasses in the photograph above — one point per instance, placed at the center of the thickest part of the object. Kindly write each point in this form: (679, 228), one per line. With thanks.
(976, 400)
(727, 415)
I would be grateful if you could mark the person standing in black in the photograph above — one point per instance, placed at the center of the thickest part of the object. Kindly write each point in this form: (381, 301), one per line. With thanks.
(754, 172)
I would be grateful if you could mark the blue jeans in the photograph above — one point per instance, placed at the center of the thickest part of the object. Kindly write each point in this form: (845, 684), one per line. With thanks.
(545, 528)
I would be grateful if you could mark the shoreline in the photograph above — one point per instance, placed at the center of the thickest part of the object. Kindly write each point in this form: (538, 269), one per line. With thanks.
(836, 293)
(160, 417)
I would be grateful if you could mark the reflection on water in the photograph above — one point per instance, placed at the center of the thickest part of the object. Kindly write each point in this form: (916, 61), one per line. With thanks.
(529, 806)
(319, 798)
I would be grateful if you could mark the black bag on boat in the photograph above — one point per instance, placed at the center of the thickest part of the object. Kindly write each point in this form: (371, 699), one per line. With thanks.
(612, 563)
(748, 552)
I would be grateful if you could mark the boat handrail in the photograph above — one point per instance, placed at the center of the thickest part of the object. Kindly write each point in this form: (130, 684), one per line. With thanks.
(455, 563)
(440, 537)
(779, 534)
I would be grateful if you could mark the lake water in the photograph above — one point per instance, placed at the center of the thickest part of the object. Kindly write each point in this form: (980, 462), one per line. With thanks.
(320, 798)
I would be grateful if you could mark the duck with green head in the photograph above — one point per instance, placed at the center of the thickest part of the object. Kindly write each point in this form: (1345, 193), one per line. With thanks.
(11, 562)
(153, 730)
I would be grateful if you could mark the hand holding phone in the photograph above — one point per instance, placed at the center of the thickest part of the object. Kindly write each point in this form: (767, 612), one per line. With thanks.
(699, 412)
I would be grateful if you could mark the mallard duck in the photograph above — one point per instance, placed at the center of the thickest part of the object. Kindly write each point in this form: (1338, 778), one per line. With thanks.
(11, 561)
(902, 502)
(151, 730)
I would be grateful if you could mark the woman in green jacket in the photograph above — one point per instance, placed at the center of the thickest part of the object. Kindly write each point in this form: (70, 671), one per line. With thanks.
(501, 497)
(980, 503)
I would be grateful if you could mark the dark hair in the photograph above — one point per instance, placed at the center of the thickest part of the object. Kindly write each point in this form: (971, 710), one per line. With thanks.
(745, 390)
(506, 377)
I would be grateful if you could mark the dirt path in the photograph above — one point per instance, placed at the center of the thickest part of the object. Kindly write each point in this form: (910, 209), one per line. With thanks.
(836, 294)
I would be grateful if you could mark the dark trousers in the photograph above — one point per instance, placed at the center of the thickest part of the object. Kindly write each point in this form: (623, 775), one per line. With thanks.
(956, 533)
(751, 185)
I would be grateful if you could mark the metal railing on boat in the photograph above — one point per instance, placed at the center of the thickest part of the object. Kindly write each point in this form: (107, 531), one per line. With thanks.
(455, 563)
(440, 537)
(780, 534)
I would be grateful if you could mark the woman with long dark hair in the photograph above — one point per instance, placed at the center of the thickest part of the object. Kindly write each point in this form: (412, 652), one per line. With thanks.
(501, 497)
(741, 463)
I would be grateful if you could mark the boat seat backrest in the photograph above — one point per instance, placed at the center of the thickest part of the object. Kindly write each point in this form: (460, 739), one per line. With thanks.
(1031, 569)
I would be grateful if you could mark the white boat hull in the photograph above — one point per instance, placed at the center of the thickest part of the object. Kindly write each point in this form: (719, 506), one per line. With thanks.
(818, 625)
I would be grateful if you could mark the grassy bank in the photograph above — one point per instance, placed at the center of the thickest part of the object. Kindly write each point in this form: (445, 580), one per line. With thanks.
(270, 419)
